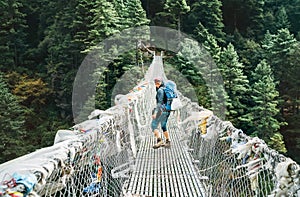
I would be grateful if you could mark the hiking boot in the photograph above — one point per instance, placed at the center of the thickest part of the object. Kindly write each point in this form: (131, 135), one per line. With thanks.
(159, 143)
(167, 144)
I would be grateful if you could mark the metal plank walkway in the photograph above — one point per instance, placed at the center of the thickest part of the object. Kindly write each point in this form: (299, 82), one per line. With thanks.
(165, 172)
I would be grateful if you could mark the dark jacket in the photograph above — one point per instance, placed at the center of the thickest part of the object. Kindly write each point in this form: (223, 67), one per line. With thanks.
(159, 100)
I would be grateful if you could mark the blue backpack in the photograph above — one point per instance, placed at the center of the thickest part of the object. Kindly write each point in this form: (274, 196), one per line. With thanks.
(170, 94)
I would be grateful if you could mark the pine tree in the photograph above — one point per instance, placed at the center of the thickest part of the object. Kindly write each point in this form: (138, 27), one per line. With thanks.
(12, 33)
(131, 13)
(111, 18)
(274, 4)
(193, 76)
(210, 45)
(202, 72)
(277, 142)
(266, 45)
(209, 14)
(208, 41)
(255, 9)
(81, 25)
(293, 82)
(236, 85)
(265, 109)
(277, 50)
(105, 22)
(293, 12)
(218, 94)
(282, 21)
(63, 55)
(11, 122)
(250, 56)
(291, 7)
(173, 12)
(270, 22)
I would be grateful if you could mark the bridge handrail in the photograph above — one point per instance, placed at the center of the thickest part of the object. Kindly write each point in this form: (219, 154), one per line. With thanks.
(286, 172)
(68, 144)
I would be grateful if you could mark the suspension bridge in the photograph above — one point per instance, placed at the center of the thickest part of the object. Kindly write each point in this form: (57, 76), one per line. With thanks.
(111, 154)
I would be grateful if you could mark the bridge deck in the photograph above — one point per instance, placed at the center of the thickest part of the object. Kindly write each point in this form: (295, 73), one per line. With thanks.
(165, 172)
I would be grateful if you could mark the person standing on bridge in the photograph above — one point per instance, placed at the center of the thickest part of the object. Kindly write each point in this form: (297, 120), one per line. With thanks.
(160, 115)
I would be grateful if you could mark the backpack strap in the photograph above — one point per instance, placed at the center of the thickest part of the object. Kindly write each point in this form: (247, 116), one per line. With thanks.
(165, 100)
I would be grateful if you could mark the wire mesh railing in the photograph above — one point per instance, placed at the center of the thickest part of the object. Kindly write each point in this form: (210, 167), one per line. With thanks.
(238, 165)
(92, 158)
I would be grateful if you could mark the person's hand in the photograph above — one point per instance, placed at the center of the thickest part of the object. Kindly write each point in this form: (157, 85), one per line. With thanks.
(153, 116)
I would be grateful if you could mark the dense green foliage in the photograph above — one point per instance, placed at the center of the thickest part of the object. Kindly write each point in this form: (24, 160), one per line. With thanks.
(265, 109)
(12, 123)
(235, 84)
(254, 44)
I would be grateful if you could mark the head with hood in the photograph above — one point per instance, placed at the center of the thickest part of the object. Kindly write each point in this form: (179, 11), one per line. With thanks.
(158, 82)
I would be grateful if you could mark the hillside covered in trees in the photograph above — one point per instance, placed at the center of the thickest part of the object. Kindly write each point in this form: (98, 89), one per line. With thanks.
(254, 43)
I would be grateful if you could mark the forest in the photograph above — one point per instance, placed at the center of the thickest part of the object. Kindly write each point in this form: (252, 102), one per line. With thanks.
(254, 43)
